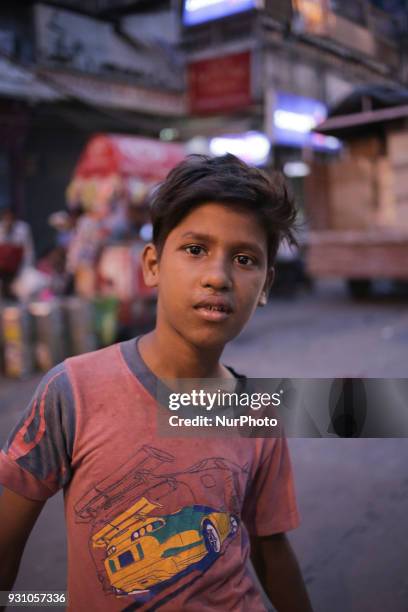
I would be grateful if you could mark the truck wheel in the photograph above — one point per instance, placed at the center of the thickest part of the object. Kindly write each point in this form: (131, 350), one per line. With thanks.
(359, 288)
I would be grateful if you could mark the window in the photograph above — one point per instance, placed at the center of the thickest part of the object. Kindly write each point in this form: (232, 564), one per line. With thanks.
(125, 559)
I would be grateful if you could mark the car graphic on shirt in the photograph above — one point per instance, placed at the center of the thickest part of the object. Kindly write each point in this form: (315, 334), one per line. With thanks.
(143, 551)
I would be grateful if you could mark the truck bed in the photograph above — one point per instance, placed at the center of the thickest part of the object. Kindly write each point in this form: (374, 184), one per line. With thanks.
(368, 254)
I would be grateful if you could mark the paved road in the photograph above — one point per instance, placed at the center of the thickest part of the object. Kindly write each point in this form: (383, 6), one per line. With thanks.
(325, 334)
(353, 494)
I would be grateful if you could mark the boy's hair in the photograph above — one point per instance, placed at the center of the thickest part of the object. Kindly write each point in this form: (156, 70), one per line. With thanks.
(227, 180)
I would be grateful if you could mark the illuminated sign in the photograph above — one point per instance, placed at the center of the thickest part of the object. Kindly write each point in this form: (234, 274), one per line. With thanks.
(293, 119)
(312, 15)
(251, 147)
(200, 11)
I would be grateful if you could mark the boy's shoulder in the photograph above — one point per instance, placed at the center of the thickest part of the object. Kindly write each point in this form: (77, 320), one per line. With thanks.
(58, 381)
(102, 362)
(94, 357)
(116, 369)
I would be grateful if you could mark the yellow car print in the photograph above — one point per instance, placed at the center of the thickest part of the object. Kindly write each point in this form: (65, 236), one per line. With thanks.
(149, 552)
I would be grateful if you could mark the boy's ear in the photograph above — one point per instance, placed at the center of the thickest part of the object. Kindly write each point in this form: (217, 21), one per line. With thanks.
(150, 265)
(263, 299)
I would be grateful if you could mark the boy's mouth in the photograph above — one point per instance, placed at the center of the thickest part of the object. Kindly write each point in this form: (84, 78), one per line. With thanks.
(214, 309)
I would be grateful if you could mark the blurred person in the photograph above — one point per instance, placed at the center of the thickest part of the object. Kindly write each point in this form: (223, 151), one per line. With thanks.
(89, 237)
(139, 221)
(17, 232)
(120, 267)
(53, 264)
(64, 223)
(16, 249)
(156, 521)
(131, 221)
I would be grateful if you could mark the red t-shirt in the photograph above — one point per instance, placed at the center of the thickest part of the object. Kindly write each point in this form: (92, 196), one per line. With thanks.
(153, 522)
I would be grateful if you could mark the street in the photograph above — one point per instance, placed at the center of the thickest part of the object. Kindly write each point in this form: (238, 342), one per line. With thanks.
(324, 334)
(353, 494)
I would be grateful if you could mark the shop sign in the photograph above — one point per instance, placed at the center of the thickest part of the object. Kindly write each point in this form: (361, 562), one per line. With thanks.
(200, 11)
(295, 117)
(252, 147)
(220, 84)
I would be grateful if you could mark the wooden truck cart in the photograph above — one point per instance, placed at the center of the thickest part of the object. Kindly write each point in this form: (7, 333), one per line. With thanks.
(357, 205)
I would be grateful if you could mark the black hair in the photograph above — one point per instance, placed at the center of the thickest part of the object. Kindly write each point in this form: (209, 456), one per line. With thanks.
(226, 180)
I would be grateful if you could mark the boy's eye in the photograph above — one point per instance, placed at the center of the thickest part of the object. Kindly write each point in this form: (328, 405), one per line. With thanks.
(194, 249)
(245, 260)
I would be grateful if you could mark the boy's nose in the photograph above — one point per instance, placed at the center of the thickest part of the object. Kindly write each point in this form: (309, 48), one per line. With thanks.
(217, 276)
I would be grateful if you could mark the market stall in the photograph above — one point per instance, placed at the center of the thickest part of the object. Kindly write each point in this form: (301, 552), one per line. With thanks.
(111, 184)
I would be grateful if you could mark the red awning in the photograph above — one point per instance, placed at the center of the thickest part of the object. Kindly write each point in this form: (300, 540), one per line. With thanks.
(128, 156)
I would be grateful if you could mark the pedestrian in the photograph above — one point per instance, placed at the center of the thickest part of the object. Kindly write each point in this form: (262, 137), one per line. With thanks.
(162, 521)
(16, 249)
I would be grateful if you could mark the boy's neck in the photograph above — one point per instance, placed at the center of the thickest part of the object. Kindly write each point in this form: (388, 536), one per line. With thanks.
(174, 358)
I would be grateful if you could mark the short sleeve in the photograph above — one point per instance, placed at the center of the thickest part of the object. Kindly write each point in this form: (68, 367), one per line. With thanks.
(270, 505)
(35, 462)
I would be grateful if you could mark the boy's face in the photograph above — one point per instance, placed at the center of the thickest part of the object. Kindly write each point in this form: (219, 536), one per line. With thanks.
(211, 275)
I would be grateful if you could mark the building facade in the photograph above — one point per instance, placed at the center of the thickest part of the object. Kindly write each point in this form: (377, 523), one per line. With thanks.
(180, 69)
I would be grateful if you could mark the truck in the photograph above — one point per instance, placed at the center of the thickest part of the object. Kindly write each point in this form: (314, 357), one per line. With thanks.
(357, 204)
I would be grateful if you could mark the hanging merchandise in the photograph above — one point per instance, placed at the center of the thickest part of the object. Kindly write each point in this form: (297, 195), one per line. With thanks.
(110, 186)
(114, 166)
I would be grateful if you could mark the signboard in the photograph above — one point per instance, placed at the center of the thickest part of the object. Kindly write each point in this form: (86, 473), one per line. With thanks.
(220, 84)
(293, 119)
(311, 15)
(134, 156)
(252, 147)
(114, 94)
(200, 11)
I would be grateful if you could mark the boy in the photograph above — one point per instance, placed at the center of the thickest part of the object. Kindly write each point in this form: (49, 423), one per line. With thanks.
(165, 523)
